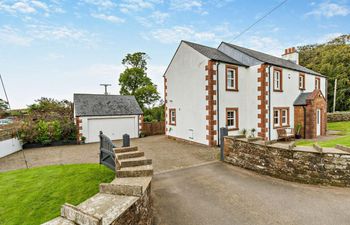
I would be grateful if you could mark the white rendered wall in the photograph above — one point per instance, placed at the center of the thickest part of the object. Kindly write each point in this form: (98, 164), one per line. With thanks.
(290, 93)
(9, 146)
(186, 93)
(245, 99)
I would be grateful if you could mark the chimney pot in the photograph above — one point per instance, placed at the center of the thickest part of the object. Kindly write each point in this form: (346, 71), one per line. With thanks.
(286, 51)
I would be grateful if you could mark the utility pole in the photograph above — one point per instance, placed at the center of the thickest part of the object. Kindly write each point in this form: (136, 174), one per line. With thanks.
(3, 87)
(335, 94)
(106, 86)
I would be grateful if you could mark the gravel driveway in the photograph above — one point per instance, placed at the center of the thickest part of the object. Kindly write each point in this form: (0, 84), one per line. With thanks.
(166, 154)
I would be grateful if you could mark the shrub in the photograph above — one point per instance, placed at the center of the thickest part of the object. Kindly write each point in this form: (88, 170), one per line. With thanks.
(43, 136)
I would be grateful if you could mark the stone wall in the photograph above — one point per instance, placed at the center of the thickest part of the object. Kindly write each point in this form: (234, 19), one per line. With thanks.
(338, 116)
(306, 166)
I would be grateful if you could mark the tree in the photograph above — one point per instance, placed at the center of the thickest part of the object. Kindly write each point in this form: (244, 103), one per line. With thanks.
(333, 60)
(4, 106)
(134, 80)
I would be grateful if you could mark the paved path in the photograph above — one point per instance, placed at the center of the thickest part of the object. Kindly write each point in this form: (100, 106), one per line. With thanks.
(166, 154)
(221, 194)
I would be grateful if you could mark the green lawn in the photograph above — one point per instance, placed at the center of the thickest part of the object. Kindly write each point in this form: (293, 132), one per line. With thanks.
(33, 196)
(344, 127)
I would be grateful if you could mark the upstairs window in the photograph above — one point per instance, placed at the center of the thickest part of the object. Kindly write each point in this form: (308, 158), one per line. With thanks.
(231, 78)
(232, 118)
(172, 116)
(277, 79)
(302, 81)
(281, 117)
(317, 83)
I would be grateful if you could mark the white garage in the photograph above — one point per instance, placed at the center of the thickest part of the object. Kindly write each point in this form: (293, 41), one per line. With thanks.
(114, 115)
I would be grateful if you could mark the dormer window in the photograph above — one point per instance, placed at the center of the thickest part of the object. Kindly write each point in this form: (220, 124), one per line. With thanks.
(231, 78)
(277, 79)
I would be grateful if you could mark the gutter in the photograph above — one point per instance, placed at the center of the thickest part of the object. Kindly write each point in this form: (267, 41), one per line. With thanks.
(217, 103)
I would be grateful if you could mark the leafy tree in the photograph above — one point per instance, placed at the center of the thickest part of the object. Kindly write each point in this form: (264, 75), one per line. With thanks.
(134, 80)
(333, 60)
(154, 114)
(3, 105)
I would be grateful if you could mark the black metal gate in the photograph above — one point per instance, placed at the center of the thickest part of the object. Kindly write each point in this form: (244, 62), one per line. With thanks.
(107, 154)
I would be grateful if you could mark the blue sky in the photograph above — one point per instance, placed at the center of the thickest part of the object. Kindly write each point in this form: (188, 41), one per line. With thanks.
(56, 48)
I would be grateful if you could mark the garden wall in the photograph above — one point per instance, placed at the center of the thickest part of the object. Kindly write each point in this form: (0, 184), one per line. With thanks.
(303, 166)
(338, 116)
(9, 146)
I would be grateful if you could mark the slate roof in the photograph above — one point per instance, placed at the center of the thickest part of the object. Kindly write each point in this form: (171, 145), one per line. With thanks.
(105, 105)
(301, 99)
(213, 53)
(273, 60)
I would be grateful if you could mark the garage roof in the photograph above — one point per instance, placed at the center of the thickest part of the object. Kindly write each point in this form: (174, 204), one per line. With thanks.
(105, 105)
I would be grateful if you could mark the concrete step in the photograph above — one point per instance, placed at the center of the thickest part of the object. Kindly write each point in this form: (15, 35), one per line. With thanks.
(59, 221)
(135, 171)
(125, 149)
(131, 186)
(127, 155)
(98, 210)
(139, 161)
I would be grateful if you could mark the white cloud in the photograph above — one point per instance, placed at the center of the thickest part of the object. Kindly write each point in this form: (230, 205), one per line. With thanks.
(157, 17)
(328, 37)
(264, 44)
(30, 7)
(110, 18)
(177, 33)
(30, 33)
(186, 4)
(328, 9)
(127, 6)
(11, 35)
(101, 4)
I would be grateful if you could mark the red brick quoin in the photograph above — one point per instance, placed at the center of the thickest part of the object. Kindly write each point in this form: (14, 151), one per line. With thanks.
(262, 101)
(211, 102)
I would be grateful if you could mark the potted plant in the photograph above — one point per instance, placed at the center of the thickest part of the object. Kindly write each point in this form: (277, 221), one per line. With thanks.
(244, 132)
(253, 132)
(298, 129)
(83, 139)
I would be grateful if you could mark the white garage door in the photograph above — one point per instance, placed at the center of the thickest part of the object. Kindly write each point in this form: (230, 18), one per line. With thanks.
(113, 127)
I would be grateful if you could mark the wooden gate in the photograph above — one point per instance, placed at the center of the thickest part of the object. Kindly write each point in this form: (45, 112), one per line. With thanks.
(153, 128)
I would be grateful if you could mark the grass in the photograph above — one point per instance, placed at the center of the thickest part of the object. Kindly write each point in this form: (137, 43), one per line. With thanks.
(343, 127)
(34, 196)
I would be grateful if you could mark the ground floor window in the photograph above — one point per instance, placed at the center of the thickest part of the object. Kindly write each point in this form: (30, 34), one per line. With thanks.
(281, 117)
(232, 118)
(172, 116)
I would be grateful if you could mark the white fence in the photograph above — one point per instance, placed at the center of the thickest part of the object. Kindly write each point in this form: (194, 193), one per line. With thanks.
(9, 146)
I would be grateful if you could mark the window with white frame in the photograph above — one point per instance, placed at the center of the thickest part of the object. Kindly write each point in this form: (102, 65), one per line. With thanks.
(172, 116)
(277, 79)
(231, 78)
(281, 117)
(232, 118)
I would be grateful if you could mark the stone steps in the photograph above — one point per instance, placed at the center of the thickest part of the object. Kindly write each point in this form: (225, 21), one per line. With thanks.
(139, 161)
(98, 210)
(131, 186)
(135, 171)
(59, 221)
(125, 149)
(128, 155)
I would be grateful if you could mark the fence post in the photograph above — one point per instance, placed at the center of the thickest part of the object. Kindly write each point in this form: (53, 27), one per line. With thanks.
(126, 140)
(223, 133)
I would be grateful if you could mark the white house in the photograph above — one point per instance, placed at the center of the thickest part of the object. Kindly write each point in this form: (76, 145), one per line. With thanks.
(238, 88)
(114, 115)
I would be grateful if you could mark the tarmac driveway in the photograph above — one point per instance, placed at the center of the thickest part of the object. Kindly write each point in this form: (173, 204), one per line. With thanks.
(221, 194)
(166, 154)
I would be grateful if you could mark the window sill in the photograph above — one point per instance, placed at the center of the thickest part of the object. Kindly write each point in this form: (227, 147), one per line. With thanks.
(232, 129)
(285, 126)
(277, 90)
(228, 89)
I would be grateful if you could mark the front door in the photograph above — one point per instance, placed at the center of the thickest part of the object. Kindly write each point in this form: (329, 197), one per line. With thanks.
(318, 122)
